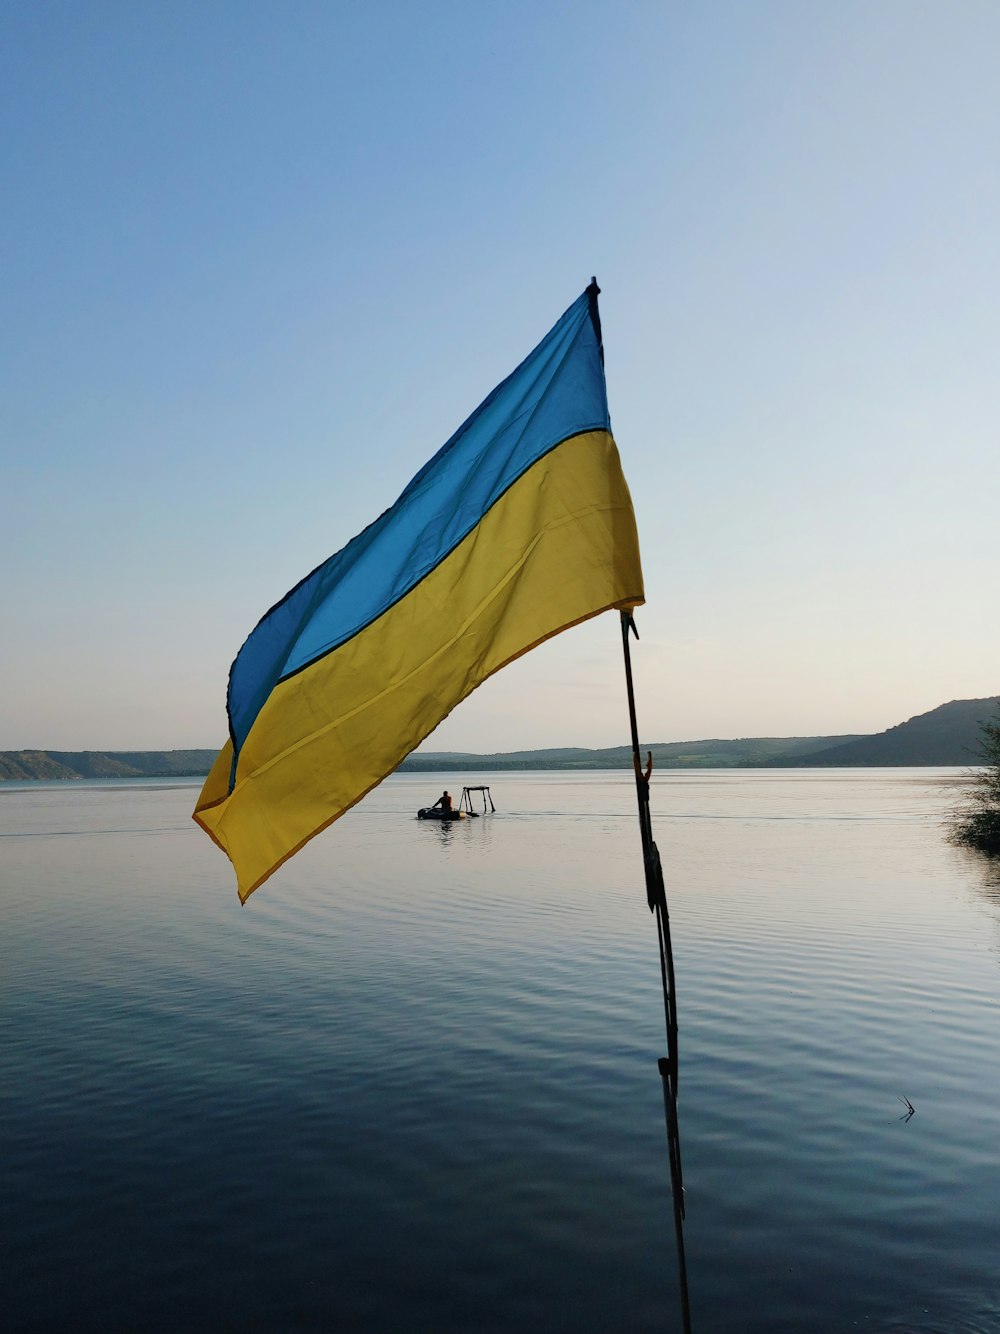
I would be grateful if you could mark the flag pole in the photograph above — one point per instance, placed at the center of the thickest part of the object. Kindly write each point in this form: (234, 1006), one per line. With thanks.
(656, 897)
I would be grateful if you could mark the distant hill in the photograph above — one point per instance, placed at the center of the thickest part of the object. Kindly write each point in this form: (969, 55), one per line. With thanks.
(23, 765)
(949, 734)
(946, 735)
(714, 754)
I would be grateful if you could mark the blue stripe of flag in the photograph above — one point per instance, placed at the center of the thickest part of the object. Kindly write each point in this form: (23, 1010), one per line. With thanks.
(557, 391)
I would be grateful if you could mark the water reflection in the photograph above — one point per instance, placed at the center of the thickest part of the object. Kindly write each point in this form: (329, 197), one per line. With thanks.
(989, 869)
(982, 873)
(410, 1085)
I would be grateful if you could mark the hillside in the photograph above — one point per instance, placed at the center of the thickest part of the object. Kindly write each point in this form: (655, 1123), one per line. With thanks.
(710, 754)
(25, 765)
(47, 765)
(949, 734)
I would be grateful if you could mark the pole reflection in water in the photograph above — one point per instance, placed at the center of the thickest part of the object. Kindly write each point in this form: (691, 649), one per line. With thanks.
(656, 897)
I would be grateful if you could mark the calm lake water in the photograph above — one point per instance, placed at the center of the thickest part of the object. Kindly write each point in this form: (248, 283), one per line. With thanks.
(412, 1086)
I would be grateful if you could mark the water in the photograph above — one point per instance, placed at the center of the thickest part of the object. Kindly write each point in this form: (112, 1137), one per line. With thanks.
(412, 1086)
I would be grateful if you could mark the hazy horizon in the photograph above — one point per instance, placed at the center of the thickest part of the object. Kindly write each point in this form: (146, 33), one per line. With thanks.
(429, 746)
(434, 742)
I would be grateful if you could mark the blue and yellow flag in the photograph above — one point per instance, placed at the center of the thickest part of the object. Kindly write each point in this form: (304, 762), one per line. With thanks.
(519, 527)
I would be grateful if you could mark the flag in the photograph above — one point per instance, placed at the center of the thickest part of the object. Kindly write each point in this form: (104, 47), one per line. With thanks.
(519, 527)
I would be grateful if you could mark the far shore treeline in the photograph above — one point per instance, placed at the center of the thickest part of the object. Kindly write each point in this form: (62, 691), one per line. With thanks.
(948, 735)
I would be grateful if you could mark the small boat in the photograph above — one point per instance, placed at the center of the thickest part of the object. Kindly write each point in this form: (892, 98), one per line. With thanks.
(464, 812)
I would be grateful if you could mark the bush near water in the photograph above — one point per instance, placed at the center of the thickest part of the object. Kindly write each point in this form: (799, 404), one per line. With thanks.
(977, 819)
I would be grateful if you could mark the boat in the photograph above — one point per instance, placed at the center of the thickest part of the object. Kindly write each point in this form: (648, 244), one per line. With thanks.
(465, 809)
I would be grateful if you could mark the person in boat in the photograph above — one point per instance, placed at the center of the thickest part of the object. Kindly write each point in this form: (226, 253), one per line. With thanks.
(444, 801)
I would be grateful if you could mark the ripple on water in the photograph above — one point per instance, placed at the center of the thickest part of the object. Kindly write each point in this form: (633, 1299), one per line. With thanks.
(412, 1084)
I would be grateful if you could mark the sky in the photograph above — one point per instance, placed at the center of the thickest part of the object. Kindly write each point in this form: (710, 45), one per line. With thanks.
(261, 259)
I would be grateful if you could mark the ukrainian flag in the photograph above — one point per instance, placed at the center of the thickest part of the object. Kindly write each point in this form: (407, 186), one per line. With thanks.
(519, 527)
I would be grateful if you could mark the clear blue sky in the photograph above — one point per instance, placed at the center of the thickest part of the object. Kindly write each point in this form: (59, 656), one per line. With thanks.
(260, 259)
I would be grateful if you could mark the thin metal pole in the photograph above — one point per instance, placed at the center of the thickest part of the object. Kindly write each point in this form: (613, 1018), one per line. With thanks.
(641, 786)
(657, 899)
